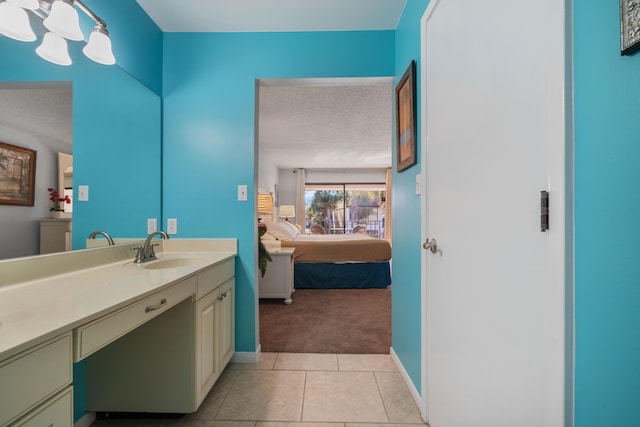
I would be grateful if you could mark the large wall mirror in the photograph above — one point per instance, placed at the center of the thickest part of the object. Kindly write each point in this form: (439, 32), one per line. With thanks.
(101, 117)
(37, 116)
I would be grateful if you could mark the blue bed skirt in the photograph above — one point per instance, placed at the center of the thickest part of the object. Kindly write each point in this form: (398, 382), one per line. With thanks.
(312, 275)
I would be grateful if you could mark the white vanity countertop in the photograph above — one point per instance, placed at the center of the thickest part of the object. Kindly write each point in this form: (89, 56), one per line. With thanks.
(36, 310)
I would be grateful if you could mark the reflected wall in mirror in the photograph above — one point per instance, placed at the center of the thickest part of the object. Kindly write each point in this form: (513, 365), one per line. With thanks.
(37, 116)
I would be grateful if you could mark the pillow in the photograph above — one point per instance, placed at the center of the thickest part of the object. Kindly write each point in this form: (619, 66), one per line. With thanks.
(292, 227)
(281, 230)
(267, 236)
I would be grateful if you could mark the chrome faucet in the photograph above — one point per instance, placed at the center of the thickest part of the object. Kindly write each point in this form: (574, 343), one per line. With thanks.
(103, 233)
(146, 252)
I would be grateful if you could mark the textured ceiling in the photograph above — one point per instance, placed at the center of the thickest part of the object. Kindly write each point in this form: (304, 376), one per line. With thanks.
(38, 109)
(273, 15)
(324, 126)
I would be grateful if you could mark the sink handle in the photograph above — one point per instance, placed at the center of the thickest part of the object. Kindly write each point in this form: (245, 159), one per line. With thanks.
(139, 256)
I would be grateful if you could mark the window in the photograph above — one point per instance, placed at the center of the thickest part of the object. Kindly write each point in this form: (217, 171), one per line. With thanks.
(346, 208)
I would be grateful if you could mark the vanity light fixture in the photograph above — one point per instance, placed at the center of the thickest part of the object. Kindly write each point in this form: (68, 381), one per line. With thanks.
(54, 49)
(14, 23)
(60, 18)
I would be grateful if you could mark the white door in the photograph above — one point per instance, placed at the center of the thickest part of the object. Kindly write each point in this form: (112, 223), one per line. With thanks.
(493, 77)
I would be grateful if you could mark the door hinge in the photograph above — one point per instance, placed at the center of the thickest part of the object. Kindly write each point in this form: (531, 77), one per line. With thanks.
(544, 210)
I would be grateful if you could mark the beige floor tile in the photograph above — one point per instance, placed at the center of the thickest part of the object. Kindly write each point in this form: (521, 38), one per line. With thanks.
(211, 423)
(295, 424)
(421, 424)
(267, 360)
(263, 395)
(400, 406)
(306, 362)
(212, 403)
(366, 362)
(342, 397)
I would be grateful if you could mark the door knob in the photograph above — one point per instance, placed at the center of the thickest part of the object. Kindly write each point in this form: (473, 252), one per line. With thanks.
(431, 245)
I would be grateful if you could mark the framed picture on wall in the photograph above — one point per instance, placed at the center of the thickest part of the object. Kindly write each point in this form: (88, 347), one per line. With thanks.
(629, 26)
(17, 175)
(406, 144)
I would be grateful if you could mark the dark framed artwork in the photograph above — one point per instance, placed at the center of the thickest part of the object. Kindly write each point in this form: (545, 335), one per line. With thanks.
(17, 175)
(406, 144)
(629, 26)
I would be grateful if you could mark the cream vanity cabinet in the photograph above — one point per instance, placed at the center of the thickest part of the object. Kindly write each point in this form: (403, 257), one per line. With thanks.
(215, 312)
(35, 386)
(169, 363)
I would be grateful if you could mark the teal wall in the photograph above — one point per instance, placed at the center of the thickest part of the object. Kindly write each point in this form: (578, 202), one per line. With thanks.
(406, 309)
(116, 129)
(208, 84)
(209, 113)
(136, 39)
(607, 225)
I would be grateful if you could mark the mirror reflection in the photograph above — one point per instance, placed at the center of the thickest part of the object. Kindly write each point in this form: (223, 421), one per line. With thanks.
(101, 131)
(38, 116)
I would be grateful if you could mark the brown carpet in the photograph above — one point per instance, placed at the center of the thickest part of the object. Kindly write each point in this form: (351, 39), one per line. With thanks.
(341, 321)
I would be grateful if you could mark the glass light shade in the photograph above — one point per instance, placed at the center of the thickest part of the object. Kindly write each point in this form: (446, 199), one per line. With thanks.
(26, 4)
(63, 20)
(54, 49)
(14, 23)
(99, 47)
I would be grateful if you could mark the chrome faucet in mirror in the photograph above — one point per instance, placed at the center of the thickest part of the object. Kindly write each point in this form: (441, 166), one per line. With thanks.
(102, 233)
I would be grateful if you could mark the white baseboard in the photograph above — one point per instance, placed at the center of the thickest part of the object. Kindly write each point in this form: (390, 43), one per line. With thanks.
(86, 420)
(405, 376)
(246, 356)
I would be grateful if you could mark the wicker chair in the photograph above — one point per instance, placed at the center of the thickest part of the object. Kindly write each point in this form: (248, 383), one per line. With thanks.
(317, 229)
(359, 229)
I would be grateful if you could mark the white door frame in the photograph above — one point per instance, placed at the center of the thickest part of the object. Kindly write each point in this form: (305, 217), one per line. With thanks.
(423, 205)
(561, 199)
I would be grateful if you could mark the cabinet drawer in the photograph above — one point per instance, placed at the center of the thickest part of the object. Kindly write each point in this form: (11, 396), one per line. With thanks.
(56, 412)
(30, 377)
(215, 276)
(95, 335)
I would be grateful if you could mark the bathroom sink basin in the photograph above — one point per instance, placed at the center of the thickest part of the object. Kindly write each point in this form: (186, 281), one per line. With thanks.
(174, 263)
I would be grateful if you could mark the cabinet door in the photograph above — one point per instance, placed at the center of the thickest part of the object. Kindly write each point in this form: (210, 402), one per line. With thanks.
(56, 412)
(207, 366)
(226, 319)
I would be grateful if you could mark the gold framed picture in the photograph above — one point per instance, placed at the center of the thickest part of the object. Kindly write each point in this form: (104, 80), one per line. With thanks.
(629, 26)
(406, 144)
(17, 175)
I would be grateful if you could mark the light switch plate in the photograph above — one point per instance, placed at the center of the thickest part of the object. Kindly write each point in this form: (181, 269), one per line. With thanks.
(418, 190)
(172, 226)
(242, 193)
(152, 225)
(83, 193)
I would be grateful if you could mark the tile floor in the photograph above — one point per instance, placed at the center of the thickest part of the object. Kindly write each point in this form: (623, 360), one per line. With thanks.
(294, 390)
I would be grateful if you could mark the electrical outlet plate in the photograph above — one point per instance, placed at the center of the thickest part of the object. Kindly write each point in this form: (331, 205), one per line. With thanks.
(172, 226)
(83, 193)
(242, 193)
(152, 225)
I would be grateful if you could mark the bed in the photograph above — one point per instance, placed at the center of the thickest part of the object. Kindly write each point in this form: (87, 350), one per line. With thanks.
(335, 261)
